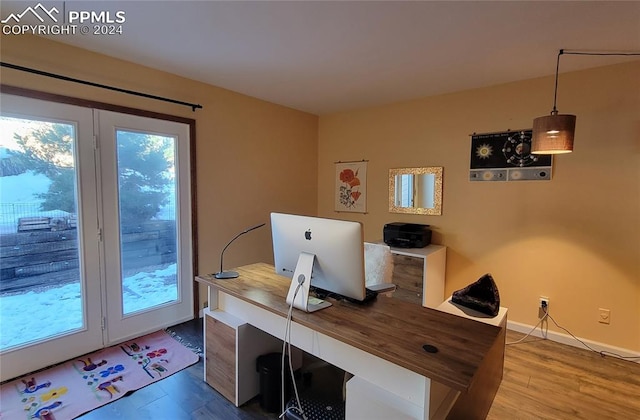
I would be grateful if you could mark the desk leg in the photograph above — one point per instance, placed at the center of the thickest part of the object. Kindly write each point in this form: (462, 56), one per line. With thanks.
(476, 403)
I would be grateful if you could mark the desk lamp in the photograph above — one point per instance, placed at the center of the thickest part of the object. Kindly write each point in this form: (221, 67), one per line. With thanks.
(232, 274)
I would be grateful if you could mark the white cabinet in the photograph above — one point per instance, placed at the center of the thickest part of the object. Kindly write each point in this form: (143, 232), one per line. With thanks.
(419, 274)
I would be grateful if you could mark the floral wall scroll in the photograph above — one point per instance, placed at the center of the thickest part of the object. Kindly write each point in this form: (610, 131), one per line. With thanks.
(351, 186)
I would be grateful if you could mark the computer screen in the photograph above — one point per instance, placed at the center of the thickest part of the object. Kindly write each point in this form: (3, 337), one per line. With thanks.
(338, 247)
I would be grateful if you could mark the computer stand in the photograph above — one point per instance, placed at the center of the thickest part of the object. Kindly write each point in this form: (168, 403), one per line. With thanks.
(301, 282)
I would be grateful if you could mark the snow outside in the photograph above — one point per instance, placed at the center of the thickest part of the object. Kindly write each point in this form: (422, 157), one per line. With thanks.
(31, 313)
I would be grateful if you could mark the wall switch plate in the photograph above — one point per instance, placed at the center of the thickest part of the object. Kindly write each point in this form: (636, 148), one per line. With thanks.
(604, 316)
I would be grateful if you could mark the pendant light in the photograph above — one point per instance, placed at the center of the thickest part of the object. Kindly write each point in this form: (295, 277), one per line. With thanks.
(553, 134)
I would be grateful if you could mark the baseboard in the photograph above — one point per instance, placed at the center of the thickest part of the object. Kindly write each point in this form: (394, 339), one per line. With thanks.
(569, 340)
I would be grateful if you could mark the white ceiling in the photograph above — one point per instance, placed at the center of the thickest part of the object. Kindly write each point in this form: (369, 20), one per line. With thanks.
(329, 56)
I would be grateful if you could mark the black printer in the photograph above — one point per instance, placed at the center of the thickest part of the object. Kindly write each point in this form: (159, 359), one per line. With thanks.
(406, 235)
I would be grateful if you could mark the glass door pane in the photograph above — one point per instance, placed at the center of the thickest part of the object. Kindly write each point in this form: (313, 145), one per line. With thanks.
(147, 197)
(50, 306)
(39, 256)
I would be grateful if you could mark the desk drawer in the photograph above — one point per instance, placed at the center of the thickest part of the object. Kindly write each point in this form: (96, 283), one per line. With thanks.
(221, 357)
(230, 368)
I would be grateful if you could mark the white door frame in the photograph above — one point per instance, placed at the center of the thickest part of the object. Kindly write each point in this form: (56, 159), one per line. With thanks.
(120, 327)
(95, 334)
(23, 359)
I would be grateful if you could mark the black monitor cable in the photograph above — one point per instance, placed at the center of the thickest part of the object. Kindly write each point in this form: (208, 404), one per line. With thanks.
(286, 346)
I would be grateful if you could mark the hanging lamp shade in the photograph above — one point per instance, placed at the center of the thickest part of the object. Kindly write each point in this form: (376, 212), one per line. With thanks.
(553, 134)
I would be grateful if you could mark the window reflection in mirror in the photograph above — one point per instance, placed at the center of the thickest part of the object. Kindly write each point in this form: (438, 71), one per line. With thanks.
(416, 190)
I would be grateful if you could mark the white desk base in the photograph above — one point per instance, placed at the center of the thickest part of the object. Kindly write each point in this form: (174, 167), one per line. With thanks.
(393, 389)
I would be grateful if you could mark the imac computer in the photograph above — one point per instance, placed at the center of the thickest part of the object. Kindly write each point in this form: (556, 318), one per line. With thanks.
(324, 253)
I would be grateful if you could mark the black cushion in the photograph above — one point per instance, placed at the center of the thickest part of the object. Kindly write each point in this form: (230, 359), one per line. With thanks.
(481, 296)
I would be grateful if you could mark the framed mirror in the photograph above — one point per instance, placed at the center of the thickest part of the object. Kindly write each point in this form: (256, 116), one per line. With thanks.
(416, 190)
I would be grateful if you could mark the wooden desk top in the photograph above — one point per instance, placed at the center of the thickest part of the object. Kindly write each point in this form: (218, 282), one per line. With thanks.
(389, 328)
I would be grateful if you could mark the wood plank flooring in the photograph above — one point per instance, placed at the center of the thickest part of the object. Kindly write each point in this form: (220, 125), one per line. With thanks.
(547, 380)
(542, 380)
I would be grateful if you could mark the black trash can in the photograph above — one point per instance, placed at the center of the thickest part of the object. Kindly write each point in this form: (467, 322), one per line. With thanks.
(270, 368)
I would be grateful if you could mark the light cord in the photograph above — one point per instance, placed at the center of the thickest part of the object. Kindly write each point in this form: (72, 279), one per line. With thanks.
(602, 353)
(554, 111)
(628, 53)
(544, 333)
(546, 316)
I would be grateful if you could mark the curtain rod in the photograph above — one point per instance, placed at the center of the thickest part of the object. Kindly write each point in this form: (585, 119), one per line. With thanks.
(84, 82)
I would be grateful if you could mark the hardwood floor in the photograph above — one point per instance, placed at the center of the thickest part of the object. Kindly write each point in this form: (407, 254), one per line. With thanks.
(542, 380)
(547, 380)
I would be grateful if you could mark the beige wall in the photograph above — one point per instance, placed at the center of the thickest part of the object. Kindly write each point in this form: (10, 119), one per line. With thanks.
(575, 239)
(252, 157)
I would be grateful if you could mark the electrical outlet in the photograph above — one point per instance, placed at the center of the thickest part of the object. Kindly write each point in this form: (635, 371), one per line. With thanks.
(543, 306)
(604, 316)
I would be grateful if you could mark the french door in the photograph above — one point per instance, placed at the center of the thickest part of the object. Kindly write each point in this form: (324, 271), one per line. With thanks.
(95, 230)
(151, 259)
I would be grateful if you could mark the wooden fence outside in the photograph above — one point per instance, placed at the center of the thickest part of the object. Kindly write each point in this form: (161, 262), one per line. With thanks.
(37, 258)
